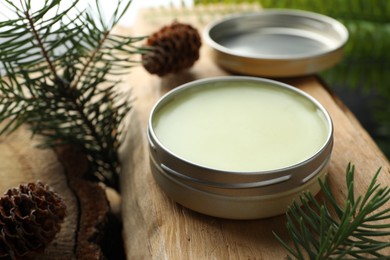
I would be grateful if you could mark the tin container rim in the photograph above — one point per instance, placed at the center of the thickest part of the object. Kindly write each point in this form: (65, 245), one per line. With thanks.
(338, 26)
(201, 83)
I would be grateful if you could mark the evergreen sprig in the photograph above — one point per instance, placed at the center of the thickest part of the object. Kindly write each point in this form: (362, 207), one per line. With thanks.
(325, 230)
(59, 68)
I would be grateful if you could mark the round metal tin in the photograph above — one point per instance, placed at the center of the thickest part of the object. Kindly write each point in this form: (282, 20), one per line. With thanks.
(276, 43)
(236, 194)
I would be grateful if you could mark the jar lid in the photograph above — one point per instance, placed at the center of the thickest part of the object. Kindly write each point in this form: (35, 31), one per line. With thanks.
(293, 42)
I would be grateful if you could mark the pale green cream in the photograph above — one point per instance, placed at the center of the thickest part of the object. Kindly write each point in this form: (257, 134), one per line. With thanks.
(237, 126)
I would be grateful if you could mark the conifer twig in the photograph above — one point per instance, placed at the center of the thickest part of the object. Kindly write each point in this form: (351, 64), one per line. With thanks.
(57, 76)
(329, 231)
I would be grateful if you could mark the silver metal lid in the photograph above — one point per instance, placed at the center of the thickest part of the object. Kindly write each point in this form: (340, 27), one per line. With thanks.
(276, 42)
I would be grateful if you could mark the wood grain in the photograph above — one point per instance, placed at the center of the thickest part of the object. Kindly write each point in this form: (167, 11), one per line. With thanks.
(155, 227)
(87, 206)
(22, 162)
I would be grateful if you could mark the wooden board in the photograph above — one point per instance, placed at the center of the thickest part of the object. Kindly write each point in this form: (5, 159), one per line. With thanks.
(21, 162)
(87, 206)
(155, 227)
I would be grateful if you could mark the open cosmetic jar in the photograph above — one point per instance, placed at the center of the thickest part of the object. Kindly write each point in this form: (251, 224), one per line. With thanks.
(238, 147)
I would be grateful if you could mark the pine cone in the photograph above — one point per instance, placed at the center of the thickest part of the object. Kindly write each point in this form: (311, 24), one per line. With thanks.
(30, 217)
(174, 47)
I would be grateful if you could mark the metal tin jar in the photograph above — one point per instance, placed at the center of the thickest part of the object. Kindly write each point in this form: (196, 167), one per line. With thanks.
(238, 147)
(276, 42)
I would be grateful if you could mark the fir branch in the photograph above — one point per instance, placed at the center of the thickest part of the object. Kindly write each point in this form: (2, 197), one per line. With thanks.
(57, 77)
(37, 37)
(328, 231)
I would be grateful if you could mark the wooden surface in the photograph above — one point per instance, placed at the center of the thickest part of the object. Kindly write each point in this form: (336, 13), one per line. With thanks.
(87, 206)
(21, 162)
(155, 227)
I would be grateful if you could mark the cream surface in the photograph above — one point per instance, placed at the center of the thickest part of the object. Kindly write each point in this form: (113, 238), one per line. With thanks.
(241, 126)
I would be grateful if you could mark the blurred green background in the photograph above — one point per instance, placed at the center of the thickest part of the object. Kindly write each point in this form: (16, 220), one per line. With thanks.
(362, 79)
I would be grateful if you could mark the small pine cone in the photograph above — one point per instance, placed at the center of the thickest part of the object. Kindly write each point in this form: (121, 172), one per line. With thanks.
(30, 217)
(173, 48)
